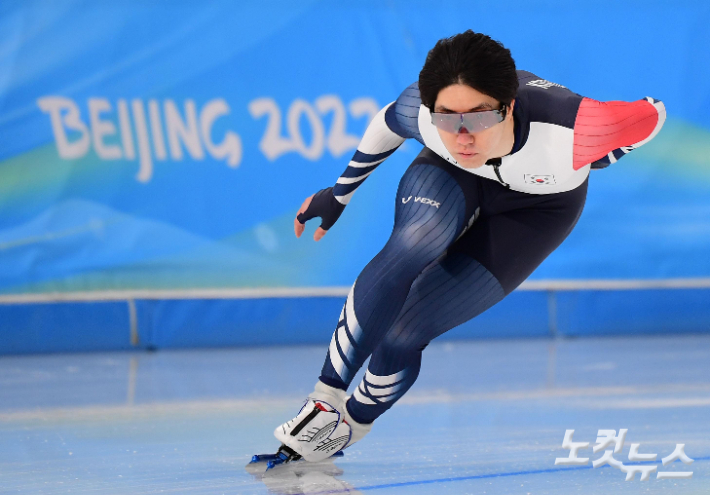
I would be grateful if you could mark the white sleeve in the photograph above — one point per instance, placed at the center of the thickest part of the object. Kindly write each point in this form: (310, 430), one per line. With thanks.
(376, 145)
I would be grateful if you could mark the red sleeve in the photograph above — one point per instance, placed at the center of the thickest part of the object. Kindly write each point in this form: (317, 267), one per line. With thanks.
(604, 126)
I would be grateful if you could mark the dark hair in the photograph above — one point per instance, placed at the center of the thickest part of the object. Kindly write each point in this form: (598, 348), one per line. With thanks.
(473, 59)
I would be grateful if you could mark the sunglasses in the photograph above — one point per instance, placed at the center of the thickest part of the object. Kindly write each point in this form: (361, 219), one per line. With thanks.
(472, 122)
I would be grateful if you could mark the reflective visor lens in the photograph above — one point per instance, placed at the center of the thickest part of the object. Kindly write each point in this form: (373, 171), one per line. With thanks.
(472, 122)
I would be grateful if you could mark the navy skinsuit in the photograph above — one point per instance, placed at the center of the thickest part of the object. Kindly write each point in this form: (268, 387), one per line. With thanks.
(462, 239)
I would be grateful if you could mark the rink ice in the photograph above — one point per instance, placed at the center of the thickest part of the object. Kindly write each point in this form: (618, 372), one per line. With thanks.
(485, 417)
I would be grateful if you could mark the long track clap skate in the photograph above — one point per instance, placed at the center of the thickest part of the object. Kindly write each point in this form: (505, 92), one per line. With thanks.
(318, 431)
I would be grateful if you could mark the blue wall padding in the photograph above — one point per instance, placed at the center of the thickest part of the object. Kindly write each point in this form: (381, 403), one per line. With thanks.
(168, 324)
(587, 313)
(64, 327)
(214, 323)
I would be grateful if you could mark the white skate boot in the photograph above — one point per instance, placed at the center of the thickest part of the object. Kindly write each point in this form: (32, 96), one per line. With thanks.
(322, 428)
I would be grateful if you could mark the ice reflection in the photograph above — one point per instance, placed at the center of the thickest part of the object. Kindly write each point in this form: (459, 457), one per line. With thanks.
(301, 477)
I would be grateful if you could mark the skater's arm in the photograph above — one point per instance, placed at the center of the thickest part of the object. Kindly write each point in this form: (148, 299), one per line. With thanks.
(604, 131)
(387, 131)
(378, 143)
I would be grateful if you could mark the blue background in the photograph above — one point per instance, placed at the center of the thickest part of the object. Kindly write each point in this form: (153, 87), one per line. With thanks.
(89, 225)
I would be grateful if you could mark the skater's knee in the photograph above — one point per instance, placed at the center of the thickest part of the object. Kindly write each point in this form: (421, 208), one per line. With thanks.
(402, 344)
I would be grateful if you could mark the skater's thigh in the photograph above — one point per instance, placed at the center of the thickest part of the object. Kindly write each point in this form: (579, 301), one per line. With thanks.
(450, 291)
(512, 244)
(433, 203)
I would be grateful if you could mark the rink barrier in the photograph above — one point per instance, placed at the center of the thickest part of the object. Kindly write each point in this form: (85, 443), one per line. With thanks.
(149, 319)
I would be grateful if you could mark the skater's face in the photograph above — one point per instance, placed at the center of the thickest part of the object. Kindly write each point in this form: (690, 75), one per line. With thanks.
(473, 149)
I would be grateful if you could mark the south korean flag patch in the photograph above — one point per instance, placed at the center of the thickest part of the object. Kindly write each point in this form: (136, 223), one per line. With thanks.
(540, 179)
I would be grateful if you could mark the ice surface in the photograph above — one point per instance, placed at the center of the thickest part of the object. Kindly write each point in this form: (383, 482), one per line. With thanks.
(485, 417)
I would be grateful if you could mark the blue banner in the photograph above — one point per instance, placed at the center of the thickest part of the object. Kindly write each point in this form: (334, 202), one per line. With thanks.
(168, 145)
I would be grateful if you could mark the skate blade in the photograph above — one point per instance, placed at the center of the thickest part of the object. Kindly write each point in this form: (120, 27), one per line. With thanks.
(263, 458)
(260, 463)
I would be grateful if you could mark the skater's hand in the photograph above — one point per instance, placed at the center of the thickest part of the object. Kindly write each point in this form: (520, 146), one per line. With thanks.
(299, 227)
(321, 204)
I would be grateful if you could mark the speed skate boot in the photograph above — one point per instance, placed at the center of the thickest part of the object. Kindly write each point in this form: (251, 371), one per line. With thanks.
(321, 429)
